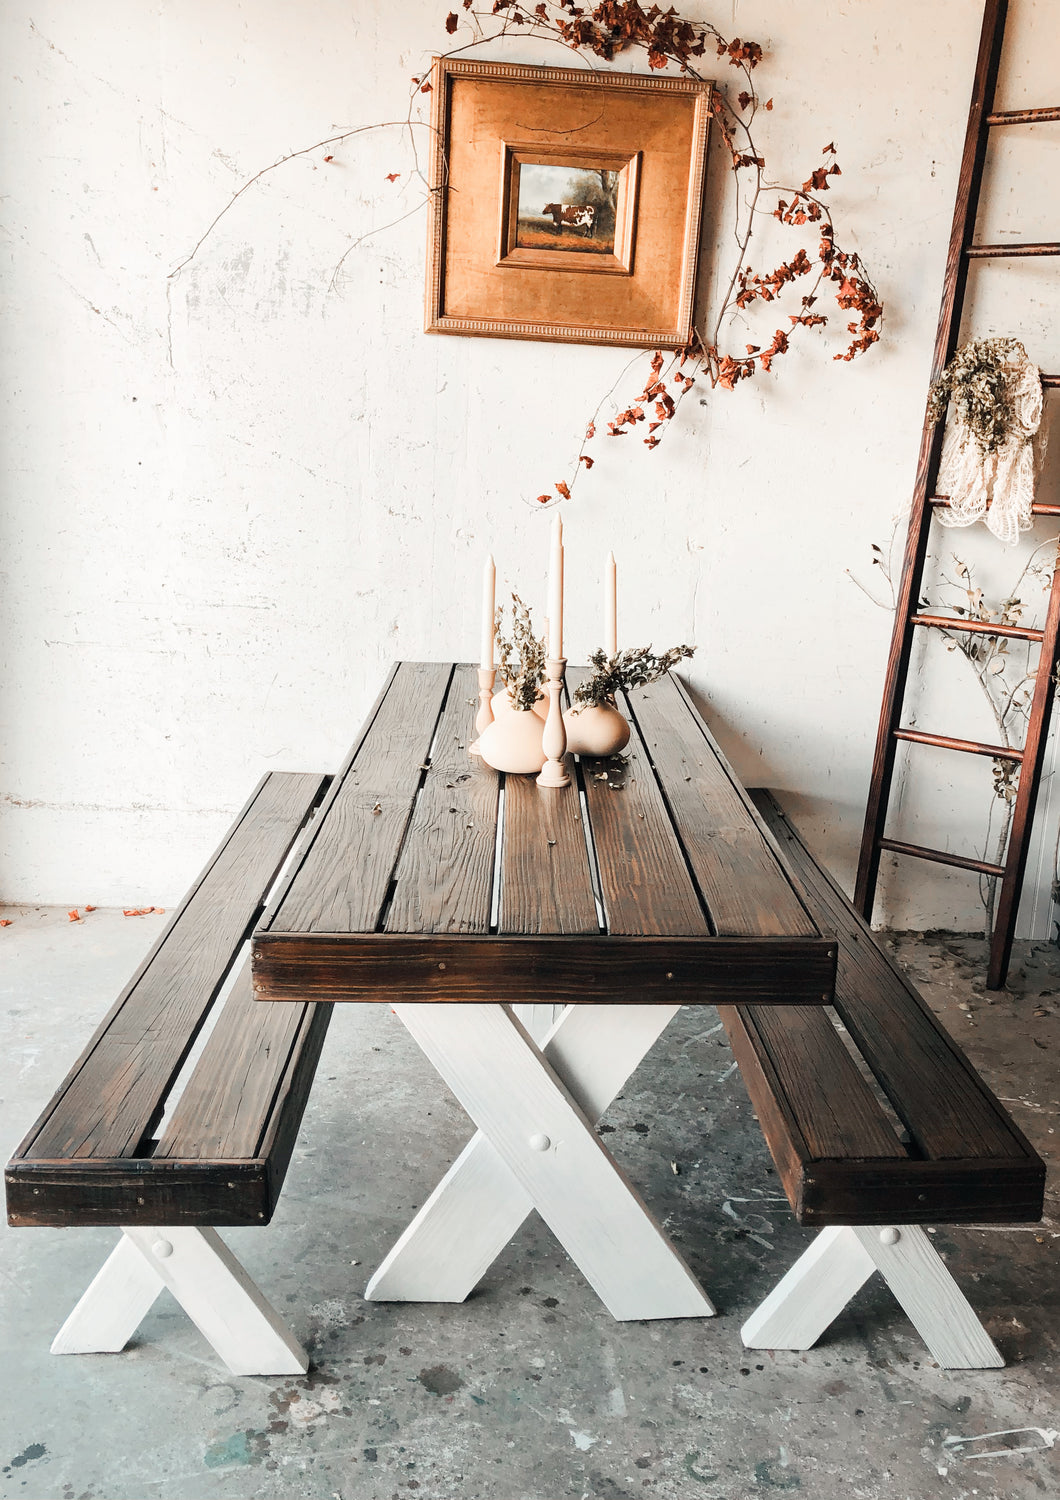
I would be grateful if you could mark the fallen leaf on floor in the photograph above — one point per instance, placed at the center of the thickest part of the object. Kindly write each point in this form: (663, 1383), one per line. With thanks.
(6, 922)
(75, 915)
(90, 908)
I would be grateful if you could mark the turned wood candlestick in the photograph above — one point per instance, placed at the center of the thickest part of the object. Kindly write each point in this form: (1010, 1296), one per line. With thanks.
(554, 738)
(484, 717)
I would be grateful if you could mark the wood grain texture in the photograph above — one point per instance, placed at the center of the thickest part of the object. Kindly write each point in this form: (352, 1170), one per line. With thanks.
(226, 1107)
(524, 969)
(644, 880)
(838, 1159)
(740, 878)
(934, 1089)
(118, 1086)
(444, 877)
(342, 880)
(546, 886)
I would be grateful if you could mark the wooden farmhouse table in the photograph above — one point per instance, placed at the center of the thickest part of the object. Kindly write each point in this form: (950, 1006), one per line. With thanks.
(536, 943)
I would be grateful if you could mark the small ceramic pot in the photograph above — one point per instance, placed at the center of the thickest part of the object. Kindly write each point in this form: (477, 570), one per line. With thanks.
(596, 731)
(513, 742)
(503, 704)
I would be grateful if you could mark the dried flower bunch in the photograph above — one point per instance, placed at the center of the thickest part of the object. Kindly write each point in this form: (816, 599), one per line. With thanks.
(636, 667)
(977, 383)
(521, 656)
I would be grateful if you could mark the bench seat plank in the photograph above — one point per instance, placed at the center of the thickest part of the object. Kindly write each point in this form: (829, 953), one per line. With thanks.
(966, 1160)
(90, 1157)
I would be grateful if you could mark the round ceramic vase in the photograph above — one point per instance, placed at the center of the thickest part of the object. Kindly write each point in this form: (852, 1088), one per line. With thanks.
(503, 704)
(596, 731)
(513, 742)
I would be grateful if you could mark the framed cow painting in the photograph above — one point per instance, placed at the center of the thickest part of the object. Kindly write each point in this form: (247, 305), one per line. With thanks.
(565, 205)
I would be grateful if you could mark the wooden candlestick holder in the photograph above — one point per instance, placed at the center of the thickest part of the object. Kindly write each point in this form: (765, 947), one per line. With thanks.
(554, 738)
(484, 717)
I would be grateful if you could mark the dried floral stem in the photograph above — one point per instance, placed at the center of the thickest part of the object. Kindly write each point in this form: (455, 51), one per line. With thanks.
(637, 666)
(521, 656)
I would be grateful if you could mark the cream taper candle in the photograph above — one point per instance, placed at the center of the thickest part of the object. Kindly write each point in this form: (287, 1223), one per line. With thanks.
(489, 585)
(611, 606)
(555, 591)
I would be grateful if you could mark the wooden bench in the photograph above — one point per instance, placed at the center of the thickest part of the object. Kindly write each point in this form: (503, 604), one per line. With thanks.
(168, 1142)
(874, 1134)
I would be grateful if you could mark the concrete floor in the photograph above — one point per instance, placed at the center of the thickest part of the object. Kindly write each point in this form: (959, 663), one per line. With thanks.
(529, 1391)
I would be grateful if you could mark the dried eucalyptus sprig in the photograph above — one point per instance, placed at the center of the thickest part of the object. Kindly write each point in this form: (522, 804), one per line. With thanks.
(522, 656)
(635, 667)
(976, 382)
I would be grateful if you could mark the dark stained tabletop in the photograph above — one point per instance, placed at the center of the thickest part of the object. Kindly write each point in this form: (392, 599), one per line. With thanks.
(428, 876)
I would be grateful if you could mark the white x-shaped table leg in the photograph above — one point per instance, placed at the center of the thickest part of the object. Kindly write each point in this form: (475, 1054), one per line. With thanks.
(536, 1148)
(207, 1280)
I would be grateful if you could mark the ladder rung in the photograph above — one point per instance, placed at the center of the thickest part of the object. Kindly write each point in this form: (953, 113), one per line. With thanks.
(1036, 509)
(977, 627)
(941, 858)
(970, 747)
(1023, 116)
(980, 252)
(1051, 380)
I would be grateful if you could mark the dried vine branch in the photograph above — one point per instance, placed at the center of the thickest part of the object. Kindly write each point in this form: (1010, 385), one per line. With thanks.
(664, 37)
(613, 26)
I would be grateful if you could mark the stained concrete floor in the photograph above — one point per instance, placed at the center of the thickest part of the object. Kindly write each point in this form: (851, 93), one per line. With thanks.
(529, 1390)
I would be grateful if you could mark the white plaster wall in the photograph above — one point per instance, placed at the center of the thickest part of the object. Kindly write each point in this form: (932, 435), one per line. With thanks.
(232, 496)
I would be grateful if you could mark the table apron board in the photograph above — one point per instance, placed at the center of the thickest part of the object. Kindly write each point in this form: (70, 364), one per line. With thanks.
(404, 968)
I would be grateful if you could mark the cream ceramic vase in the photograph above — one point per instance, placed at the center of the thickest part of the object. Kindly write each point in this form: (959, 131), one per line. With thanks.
(513, 742)
(596, 730)
(503, 704)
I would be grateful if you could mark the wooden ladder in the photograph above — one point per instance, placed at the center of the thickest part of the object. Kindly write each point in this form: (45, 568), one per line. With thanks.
(908, 618)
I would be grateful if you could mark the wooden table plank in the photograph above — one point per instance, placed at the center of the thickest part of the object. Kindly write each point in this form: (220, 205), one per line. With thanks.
(557, 969)
(743, 883)
(344, 876)
(108, 1105)
(444, 878)
(546, 886)
(644, 880)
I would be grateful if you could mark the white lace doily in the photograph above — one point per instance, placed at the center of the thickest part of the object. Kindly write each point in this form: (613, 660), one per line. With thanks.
(998, 487)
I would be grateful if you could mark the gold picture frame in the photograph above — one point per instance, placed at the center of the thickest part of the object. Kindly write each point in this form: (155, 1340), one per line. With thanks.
(565, 205)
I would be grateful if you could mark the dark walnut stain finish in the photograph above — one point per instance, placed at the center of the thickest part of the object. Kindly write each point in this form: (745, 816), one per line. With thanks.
(343, 879)
(91, 1158)
(394, 894)
(741, 879)
(444, 877)
(644, 881)
(516, 969)
(839, 1156)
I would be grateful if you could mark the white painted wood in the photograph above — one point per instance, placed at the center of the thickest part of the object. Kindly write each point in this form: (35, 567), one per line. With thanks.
(812, 1294)
(840, 1261)
(934, 1303)
(114, 1304)
(222, 1301)
(479, 1205)
(208, 1282)
(511, 1091)
(539, 1019)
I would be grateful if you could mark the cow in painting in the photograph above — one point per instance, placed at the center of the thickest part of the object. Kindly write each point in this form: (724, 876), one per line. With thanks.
(576, 215)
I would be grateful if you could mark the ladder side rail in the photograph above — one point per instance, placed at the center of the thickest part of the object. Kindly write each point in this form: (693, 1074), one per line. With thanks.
(965, 208)
(1027, 792)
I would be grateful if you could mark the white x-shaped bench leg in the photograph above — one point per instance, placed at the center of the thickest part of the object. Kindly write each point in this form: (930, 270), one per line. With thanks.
(208, 1282)
(536, 1148)
(840, 1261)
